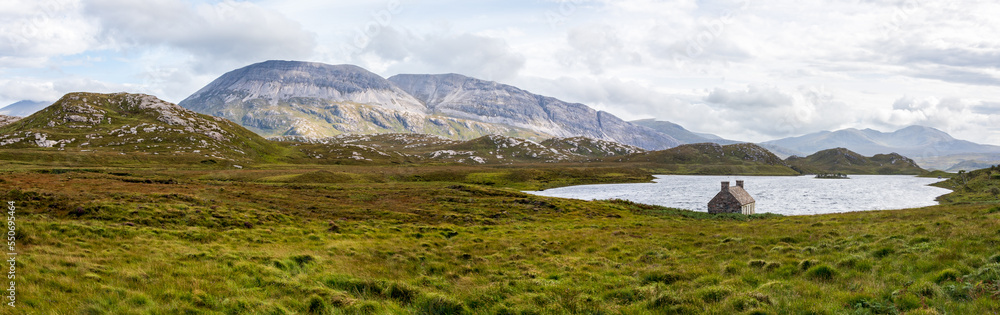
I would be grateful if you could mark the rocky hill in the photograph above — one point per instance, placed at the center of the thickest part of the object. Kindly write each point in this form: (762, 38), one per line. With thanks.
(841, 160)
(313, 100)
(133, 124)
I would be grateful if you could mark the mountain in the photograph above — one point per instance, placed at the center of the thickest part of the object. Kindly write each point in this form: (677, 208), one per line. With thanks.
(915, 141)
(23, 108)
(314, 100)
(959, 162)
(133, 124)
(459, 96)
(841, 160)
(680, 133)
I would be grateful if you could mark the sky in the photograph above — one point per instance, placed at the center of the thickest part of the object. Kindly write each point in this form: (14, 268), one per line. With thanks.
(748, 70)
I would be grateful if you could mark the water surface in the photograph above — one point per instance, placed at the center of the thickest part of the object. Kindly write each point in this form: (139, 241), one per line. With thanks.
(788, 195)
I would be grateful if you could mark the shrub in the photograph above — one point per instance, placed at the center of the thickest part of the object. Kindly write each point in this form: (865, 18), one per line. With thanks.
(772, 265)
(316, 305)
(661, 277)
(990, 272)
(821, 272)
(713, 293)
(882, 252)
(806, 264)
(757, 263)
(947, 275)
(437, 304)
(926, 289)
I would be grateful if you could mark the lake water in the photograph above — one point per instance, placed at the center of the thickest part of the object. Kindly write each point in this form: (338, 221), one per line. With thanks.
(788, 195)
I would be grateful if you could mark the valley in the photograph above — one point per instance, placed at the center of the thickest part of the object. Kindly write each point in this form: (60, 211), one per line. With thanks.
(131, 204)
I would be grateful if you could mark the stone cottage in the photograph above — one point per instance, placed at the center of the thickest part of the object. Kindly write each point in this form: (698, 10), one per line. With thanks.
(732, 200)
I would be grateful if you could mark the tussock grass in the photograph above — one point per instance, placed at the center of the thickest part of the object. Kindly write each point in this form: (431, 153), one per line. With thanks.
(453, 240)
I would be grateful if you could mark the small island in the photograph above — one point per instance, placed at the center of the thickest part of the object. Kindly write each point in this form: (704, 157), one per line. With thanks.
(833, 176)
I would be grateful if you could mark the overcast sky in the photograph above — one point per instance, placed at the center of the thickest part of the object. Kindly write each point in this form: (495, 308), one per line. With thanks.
(748, 70)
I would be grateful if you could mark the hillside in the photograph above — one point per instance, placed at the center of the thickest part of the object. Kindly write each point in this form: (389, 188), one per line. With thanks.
(842, 160)
(133, 124)
(680, 133)
(711, 159)
(7, 120)
(980, 186)
(588, 147)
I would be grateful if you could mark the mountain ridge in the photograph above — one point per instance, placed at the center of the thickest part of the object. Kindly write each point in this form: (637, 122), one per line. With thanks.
(291, 98)
(912, 140)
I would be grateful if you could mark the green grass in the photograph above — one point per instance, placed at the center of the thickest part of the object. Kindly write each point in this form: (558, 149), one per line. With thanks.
(284, 239)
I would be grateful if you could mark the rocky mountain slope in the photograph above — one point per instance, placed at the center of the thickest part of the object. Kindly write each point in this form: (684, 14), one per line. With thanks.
(841, 160)
(680, 133)
(290, 98)
(914, 141)
(7, 120)
(421, 148)
(459, 96)
(133, 124)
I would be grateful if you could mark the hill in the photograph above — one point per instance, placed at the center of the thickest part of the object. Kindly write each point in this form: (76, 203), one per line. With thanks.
(841, 160)
(980, 186)
(711, 159)
(133, 124)
(680, 133)
(291, 98)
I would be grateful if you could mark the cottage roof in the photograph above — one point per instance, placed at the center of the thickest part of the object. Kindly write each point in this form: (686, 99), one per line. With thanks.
(741, 195)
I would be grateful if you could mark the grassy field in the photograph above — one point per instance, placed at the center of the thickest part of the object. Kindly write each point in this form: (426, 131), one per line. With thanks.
(294, 239)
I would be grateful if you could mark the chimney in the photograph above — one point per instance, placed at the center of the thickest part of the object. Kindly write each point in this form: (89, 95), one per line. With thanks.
(739, 183)
(725, 186)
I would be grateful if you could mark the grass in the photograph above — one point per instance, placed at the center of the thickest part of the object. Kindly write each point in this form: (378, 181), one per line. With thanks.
(450, 240)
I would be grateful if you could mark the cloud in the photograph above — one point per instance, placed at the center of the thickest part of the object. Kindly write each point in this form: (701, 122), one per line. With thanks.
(479, 56)
(218, 36)
(32, 32)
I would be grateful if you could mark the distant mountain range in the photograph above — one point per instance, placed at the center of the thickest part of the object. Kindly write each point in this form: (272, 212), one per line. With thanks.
(682, 134)
(23, 108)
(112, 128)
(923, 144)
(291, 98)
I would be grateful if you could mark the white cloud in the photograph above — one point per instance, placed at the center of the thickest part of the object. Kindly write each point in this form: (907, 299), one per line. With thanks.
(484, 57)
(217, 36)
